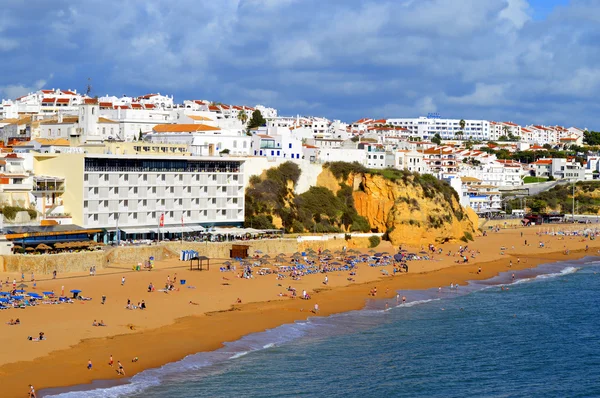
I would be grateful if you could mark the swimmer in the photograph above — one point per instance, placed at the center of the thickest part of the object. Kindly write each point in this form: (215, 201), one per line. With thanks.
(403, 300)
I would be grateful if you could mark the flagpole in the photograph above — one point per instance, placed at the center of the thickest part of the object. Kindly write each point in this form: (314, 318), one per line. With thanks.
(182, 228)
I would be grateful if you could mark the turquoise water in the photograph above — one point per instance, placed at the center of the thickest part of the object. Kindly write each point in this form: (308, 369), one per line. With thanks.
(539, 338)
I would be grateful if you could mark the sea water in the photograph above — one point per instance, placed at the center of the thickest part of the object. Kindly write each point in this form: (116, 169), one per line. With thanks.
(540, 337)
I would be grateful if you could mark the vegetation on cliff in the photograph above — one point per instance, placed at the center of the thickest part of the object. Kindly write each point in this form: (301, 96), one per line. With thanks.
(404, 206)
(318, 209)
(560, 199)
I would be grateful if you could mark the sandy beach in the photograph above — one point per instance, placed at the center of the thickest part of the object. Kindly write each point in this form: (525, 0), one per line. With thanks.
(171, 328)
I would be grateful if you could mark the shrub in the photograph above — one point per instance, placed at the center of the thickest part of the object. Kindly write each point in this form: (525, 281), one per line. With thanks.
(374, 241)
(343, 169)
(464, 239)
(10, 212)
(347, 236)
(360, 224)
(469, 236)
(224, 152)
(297, 226)
(254, 180)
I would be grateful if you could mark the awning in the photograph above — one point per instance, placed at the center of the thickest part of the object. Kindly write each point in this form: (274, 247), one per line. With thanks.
(176, 230)
(195, 228)
(131, 231)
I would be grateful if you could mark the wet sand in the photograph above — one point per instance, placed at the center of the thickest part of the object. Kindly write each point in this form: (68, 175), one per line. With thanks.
(171, 328)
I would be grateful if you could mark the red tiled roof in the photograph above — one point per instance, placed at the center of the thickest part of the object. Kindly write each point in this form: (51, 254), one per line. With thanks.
(48, 100)
(47, 91)
(90, 101)
(136, 106)
(67, 92)
(63, 100)
(106, 104)
(150, 106)
(213, 108)
(510, 123)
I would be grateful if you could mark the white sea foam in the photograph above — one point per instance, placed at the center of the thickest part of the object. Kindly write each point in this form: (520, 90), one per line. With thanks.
(239, 355)
(565, 271)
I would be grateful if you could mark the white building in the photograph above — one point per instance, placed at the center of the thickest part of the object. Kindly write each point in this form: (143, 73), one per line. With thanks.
(427, 127)
(202, 139)
(136, 194)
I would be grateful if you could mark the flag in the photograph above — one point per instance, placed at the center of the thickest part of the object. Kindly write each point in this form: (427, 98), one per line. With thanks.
(182, 220)
(162, 220)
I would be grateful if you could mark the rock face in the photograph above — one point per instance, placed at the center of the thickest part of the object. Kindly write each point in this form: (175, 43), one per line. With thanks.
(410, 211)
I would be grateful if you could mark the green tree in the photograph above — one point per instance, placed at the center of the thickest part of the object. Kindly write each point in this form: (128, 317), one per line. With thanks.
(242, 116)
(462, 124)
(436, 139)
(460, 134)
(591, 137)
(256, 120)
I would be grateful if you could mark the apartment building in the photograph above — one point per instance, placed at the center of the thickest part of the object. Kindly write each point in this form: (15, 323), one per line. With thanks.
(141, 194)
(427, 127)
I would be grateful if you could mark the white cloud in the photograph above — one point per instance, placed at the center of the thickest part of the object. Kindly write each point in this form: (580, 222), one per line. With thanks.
(15, 91)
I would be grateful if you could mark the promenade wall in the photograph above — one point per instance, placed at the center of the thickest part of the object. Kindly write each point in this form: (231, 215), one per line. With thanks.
(41, 264)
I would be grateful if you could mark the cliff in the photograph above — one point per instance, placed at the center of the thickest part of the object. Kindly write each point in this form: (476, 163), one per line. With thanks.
(409, 208)
(413, 209)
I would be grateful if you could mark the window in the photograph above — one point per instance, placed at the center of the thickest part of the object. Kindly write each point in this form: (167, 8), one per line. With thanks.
(144, 203)
(126, 177)
(135, 190)
(95, 217)
(106, 177)
(96, 191)
(145, 177)
(135, 216)
(85, 177)
(126, 203)
(290, 145)
(116, 190)
(85, 204)
(162, 202)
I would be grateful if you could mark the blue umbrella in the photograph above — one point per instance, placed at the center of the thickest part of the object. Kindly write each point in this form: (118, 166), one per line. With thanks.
(75, 291)
(398, 257)
(20, 291)
(33, 295)
(4, 294)
(48, 293)
(3, 300)
(17, 297)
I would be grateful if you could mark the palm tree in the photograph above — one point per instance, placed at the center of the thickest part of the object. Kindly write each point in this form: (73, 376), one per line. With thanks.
(242, 116)
(462, 124)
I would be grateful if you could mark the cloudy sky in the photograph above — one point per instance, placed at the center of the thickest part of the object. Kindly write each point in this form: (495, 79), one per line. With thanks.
(529, 61)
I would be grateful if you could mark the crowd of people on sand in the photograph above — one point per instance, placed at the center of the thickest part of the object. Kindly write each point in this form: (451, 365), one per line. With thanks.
(141, 305)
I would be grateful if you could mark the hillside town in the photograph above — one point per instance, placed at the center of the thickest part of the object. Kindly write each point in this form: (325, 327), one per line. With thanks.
(133, 167)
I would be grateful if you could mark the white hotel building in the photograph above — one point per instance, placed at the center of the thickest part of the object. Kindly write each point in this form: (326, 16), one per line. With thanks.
(427, 127)
(133, 192)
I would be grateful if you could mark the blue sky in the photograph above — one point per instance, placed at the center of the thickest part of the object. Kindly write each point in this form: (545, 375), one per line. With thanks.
(528, 61)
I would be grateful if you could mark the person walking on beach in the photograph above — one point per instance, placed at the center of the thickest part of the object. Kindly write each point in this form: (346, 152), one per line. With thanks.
(326, 280)
(123, 281)
(120, 369)
(110, 361)
(54, 274)
(89, 367)
(316, 310)
(32, 392)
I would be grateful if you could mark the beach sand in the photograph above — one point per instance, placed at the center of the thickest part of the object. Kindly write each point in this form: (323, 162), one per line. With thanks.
(171, 328)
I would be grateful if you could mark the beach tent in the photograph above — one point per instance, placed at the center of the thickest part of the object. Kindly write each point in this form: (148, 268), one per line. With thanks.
(75, 292)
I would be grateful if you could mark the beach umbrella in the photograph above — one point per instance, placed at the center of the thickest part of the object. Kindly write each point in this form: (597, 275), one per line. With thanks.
(398, 257)
(17, 247)
(371, 251)
(33, 295)
(48, 293)
(266, 256)
(42, 246)
(422, 252)
(378, 254)
(3, 300)
(258, 251)
(59, 245)
(22, 286)
(75, 291)
(20, 291)
(227, 263)
(4, 294)
(17, 297)
(403, 251)
(29, 249)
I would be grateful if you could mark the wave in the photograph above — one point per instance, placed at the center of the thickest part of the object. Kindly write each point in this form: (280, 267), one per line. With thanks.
(322, 327)
(565, 271)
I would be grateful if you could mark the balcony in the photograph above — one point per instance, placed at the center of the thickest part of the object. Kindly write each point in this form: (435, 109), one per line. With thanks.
(48, 185)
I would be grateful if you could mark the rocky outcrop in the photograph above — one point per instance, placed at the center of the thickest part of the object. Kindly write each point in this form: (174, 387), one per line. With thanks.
(413, 210)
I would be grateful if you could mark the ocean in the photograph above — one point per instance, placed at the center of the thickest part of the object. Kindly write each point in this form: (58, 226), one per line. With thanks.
(541, 337)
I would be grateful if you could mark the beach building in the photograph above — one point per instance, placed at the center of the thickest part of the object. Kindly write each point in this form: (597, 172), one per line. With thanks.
(142, 196)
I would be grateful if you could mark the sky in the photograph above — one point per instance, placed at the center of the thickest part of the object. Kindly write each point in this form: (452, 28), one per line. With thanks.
(526, 61)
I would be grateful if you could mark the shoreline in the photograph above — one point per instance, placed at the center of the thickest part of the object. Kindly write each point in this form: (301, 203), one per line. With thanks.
(466, 290)
(208, 331)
